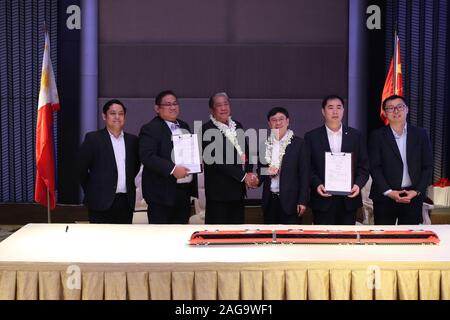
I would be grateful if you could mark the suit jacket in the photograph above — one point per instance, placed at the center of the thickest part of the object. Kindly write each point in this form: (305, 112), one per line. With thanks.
(352, 141)
(386, 166)
(155, 152)
(294, 177)
(98, 169)
(222, 179)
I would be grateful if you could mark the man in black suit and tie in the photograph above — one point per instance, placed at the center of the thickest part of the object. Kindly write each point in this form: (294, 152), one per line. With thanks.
(108, 164)
(226, 164)
(400, 165)
(285, 174)
(335, 137)
(167, 188)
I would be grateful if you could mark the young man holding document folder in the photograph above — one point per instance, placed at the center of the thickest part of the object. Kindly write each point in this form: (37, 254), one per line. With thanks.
(334, 139)
(167, 188)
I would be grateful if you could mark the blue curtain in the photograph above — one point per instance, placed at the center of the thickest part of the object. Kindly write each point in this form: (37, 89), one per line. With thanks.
(21, 50)
(423, 33)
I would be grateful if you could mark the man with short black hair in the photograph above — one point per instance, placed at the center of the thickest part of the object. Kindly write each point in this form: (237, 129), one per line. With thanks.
(229, 173)
(335, 137)
(284, 171)
(400, 165)
(108, 164)
(167, 188)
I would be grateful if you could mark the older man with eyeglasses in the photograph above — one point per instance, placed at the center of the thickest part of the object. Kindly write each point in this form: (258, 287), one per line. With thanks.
(167, 188)
(400, 165)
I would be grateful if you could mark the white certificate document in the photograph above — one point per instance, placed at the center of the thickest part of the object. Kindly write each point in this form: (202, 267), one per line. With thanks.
(338, 173)
(186, 152)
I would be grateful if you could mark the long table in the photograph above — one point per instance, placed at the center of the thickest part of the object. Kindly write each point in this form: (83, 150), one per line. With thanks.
(86, 261)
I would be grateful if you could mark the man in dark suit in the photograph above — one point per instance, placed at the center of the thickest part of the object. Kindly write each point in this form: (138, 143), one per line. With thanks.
(335, 137)
(108, 164)
(285, 172)
(226, 165)
(167, 188)
(400, 165)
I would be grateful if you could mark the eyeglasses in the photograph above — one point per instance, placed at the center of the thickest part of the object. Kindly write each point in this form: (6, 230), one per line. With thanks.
(399, 107)
(113, 114)
(169, 104)
(275, 120)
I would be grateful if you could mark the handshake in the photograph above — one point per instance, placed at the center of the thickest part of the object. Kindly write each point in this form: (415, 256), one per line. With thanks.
(251, 180)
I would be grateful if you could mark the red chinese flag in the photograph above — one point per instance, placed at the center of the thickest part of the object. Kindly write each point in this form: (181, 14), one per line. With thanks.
(45, 160)
(389, 89)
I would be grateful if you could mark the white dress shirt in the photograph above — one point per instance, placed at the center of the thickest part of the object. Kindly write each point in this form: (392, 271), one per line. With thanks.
(401, 144)
(335, 139)
(275, 180)
(120, 155)
(176, 130)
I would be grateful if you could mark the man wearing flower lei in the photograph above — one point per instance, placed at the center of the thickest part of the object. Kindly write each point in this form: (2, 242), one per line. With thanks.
(401, 167)
(284, 171)
(226, 167)
(335, 137)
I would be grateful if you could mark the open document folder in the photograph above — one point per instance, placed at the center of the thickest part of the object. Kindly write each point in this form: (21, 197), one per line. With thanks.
(338, 173)
(186, 152)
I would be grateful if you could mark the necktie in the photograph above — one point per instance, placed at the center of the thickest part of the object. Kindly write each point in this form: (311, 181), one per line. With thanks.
(174, 126)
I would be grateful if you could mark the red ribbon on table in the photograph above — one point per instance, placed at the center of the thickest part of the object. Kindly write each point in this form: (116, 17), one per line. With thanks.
(442, 183)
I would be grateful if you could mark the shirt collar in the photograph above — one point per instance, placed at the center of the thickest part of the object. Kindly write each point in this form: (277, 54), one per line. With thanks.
(170, 123)
(228, 124)
(334, 133)
(282, 139)
(113, 136)
(405, 131)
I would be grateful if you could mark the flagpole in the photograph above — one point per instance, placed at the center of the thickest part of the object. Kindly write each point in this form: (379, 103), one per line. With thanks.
(49, 217)
(395, 60)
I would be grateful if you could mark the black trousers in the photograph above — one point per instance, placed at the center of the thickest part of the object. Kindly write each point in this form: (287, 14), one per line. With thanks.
(120, 212)
(274, 213)
(224, 212)
(177, 214)
(337, 214)
(388, 211)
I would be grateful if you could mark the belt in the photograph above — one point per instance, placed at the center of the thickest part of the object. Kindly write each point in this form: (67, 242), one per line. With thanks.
(275, 194)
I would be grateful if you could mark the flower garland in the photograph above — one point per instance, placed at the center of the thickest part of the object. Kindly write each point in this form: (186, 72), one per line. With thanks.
(284, 142)
(229, 132)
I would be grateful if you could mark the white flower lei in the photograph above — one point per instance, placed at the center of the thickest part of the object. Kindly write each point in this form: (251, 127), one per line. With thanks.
(229, 132)
(284, 142)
